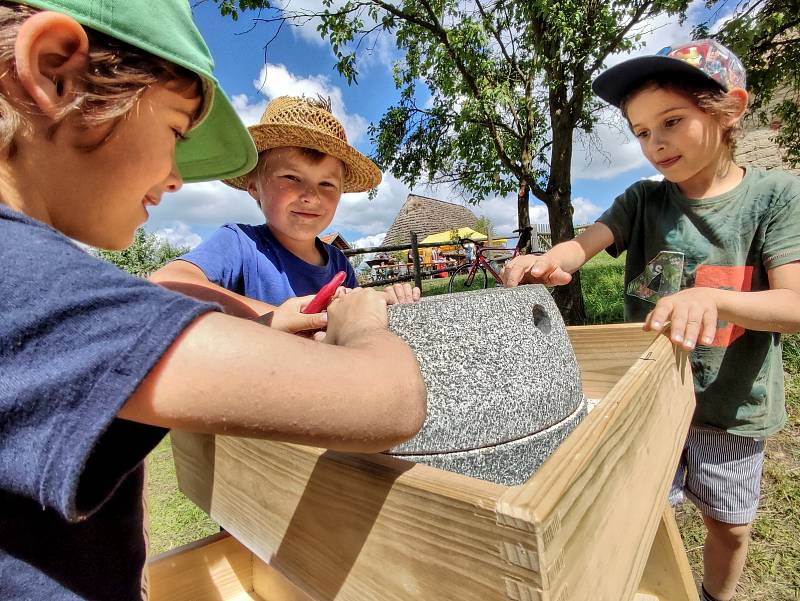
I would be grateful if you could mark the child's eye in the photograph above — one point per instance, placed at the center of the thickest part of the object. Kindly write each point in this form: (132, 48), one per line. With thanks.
(672, 122)
(641, 134)
(291, 178)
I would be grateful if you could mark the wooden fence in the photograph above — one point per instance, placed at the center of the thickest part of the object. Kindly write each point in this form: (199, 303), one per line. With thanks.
(541, 241)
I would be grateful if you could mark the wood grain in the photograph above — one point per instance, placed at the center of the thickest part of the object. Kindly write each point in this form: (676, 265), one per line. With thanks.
(363, 527)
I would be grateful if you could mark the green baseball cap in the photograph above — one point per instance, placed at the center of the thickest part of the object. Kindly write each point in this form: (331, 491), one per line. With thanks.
(219, 146)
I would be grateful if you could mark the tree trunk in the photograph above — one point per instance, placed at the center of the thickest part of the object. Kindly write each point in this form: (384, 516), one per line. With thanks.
(569, 298)
(523, 211)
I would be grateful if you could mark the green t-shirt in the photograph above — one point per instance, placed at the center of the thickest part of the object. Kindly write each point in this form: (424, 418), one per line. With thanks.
(728, 241)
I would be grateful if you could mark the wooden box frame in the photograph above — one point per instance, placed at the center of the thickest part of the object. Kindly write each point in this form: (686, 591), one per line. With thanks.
(590, 524)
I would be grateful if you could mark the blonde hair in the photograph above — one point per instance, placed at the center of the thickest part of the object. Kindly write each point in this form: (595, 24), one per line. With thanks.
(117, 75)
(709, 98)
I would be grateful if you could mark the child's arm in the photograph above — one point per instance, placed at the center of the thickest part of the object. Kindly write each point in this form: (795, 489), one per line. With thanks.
(693, 313)
(556, 266)
(232, 376)
(187, 278)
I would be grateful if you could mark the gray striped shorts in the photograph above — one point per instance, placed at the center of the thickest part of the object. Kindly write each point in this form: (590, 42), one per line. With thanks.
(721, 474)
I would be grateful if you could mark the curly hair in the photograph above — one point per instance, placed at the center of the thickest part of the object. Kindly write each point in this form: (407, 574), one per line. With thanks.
(116, 76)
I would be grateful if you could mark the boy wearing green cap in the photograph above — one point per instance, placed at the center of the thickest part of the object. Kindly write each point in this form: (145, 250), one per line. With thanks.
(104, 107)
(713, 250)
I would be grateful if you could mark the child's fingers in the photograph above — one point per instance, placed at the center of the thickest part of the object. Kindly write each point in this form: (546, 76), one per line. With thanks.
(679, 317)
(416, 294)
(557, 277)
(404, 293)
(391, 295)
(515, 270)
(694, 322)
(709, 327)
(303, 322)
(658, 317)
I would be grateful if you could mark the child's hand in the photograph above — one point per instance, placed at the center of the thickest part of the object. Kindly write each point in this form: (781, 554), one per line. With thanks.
(288, 318)
(358, 312)
(401, 294)
(692, 314)
(533, 269)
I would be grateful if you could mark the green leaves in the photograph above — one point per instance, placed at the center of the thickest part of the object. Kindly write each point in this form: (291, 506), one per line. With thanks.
(763, 33)
(147, 254)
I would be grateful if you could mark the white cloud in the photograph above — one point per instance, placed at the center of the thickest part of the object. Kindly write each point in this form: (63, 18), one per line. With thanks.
(658, 177)
(585, 211)
(249, 113)
(369, 241)
(179, 234)
(610, 151)
(207, 204)
(277, 80)
(358, 213)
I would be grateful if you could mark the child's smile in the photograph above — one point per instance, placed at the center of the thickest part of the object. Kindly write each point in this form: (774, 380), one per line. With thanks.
(299, 196)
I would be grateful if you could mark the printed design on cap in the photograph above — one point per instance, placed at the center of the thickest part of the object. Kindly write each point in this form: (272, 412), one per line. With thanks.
(713, 59)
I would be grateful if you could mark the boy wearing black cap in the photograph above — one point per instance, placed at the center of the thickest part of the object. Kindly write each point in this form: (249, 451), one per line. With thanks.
(714, 251)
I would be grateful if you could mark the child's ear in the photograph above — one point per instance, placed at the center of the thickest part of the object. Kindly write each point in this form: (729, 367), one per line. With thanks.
(50, 55)
(741, 95)
(252, 190)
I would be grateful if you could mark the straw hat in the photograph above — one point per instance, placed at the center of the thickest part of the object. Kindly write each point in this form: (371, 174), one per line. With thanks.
(308, 123)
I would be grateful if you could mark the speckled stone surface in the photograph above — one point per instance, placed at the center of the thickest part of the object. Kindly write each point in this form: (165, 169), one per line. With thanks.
(498, 364)
(509, 463)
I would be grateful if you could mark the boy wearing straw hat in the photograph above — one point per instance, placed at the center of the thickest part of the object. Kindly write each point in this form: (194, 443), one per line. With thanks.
(305, 164)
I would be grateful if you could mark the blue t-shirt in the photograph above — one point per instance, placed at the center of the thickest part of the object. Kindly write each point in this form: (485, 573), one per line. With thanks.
(77, 336)
(249, 260)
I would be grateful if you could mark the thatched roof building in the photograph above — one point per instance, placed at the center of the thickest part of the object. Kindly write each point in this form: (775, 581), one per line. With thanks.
(427, 216)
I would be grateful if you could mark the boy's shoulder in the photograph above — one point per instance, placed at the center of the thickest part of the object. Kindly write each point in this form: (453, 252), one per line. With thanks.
(778, 181)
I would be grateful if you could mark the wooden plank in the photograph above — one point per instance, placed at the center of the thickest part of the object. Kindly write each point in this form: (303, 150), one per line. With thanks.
(595, 504)
(214, 569)
(667, 574)
(271, 585)
(358, 527)
(606, 352)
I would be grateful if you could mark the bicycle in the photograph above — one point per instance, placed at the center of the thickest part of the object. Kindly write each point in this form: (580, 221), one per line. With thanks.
(478, 269)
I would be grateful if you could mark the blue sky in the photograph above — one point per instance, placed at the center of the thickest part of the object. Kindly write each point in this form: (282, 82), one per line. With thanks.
(299, 62)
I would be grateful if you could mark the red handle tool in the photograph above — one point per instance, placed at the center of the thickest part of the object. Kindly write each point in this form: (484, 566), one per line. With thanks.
(325, 295)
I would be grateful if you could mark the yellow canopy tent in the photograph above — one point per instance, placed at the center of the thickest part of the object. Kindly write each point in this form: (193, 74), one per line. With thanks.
(453, 235)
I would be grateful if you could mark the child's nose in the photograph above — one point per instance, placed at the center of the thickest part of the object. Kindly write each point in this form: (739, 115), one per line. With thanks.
(174, 181)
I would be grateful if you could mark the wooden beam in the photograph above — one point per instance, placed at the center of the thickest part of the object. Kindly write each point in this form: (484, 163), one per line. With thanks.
(220, 569)
(667, 574)
(595, 504)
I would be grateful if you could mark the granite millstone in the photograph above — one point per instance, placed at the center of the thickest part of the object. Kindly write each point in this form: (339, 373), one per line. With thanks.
(500, 369)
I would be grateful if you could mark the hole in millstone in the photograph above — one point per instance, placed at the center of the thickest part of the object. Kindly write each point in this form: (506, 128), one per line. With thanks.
(541, 319)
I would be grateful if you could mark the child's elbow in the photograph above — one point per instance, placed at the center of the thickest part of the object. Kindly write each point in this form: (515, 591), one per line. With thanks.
(407, 416)
(418, 410)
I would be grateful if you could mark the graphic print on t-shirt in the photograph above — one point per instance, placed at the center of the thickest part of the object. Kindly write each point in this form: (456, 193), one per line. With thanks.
(739, 279)
(661, 277)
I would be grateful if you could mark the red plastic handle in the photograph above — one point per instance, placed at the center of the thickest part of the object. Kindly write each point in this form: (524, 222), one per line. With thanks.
(324, 296)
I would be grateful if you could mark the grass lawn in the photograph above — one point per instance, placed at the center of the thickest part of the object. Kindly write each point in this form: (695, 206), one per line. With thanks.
(773, 564)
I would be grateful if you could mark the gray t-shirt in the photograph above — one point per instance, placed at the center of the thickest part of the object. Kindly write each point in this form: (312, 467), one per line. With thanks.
(728, 241)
